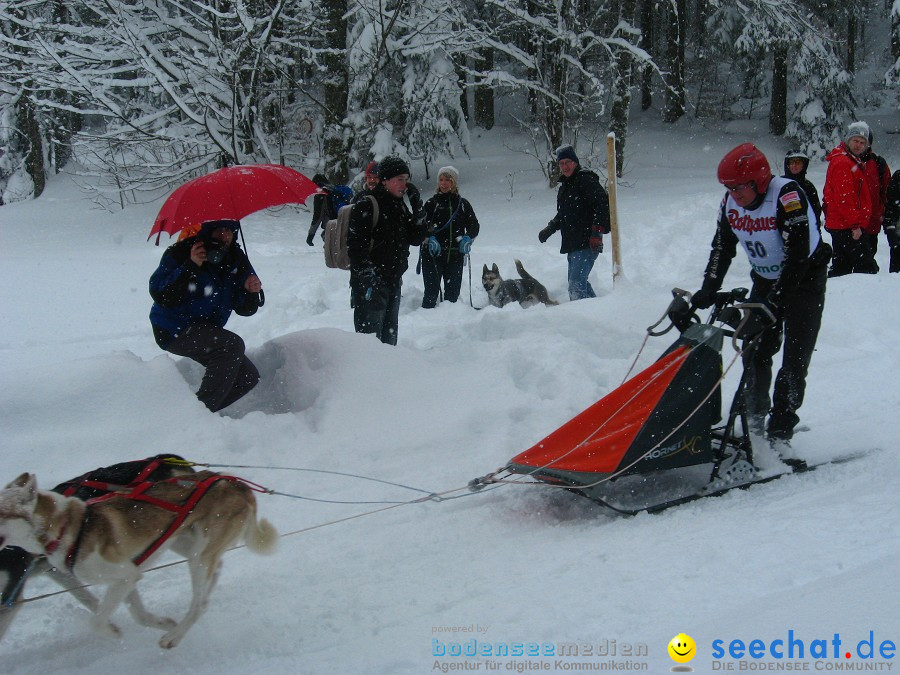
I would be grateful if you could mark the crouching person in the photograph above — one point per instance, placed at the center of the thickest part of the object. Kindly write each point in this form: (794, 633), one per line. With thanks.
(200, 281)
(378, 246)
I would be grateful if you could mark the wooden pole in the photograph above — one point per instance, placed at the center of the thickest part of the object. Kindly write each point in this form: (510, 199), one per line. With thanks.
(613, 206)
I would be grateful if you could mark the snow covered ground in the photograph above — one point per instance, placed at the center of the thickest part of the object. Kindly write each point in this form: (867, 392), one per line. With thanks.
(84, 385)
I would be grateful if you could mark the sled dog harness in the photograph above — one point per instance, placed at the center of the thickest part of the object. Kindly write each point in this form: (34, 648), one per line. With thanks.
(137, 491)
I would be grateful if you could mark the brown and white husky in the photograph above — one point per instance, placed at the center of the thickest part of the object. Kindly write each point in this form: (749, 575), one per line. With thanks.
(106, 542)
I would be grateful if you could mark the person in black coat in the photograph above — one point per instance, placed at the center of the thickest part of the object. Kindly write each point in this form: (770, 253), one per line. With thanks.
(379, 251)
(322, 210)
(452, 224)
(891, 220)
(582, 218)
(796, 164)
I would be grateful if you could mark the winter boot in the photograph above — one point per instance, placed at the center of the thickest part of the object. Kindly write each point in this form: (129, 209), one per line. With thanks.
(782, 449)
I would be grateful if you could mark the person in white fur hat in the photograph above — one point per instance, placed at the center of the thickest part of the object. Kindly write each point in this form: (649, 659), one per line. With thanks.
(452, 226)
(847, 205)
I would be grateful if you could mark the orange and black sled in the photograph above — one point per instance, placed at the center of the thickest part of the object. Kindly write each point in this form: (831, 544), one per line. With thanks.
(654, 441)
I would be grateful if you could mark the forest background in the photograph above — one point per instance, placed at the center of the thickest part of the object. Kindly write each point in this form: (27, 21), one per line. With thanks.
(149, 93)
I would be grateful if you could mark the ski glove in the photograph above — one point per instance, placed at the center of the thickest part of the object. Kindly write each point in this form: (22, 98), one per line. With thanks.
(415, 201)
(703, 299)
(465, 245)
(544, 234)
(434, 246)
(596, 243)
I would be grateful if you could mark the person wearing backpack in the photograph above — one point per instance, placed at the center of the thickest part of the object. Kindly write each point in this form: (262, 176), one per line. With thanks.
(452, 224)
(582, 218)
(378, 247)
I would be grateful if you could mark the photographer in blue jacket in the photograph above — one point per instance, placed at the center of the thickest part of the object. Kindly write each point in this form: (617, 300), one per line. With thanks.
(200, 281)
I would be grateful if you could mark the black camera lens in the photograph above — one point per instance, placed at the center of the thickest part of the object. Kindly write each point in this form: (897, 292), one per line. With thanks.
(215, 251)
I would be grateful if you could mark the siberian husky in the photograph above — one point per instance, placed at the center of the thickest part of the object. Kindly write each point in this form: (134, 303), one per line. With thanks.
(527, 291)
(17, 565)
(111, 546)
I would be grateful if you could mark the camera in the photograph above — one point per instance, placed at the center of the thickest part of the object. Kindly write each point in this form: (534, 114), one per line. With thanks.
(215, 251)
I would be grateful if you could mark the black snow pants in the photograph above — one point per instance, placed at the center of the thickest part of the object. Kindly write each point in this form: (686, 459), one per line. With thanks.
(446, 267)
(229, 373)
(798, 329)
(852, 255)
(379, 313)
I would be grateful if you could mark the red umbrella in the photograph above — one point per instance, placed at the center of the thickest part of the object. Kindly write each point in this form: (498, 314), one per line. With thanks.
(231, 193)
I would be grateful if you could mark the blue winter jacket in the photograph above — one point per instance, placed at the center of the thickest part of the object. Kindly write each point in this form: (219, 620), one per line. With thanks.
(184, 294)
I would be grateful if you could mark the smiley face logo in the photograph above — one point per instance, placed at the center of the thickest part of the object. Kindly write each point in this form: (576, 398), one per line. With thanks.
(682, 648)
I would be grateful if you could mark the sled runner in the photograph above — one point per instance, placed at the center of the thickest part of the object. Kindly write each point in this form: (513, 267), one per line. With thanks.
(657, 440)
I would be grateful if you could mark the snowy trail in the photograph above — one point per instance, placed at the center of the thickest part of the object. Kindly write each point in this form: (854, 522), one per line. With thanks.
(84, 385)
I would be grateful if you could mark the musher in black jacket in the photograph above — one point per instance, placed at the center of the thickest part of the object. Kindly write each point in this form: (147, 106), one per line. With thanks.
(771, 219)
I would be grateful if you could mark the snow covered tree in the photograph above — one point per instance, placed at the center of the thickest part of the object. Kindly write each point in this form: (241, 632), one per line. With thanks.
(179, 87)
(892, 77)
(628, 37)
(335, 90)
(676, 26)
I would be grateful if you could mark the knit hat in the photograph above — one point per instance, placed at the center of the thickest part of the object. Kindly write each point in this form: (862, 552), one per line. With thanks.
(392, 166)
(451, 171)
(210, 225)
(566, 152)
(372, 168)
(857, 129)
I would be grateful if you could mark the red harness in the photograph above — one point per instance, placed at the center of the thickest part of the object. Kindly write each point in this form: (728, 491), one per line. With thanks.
(137, 493)
(107, 487)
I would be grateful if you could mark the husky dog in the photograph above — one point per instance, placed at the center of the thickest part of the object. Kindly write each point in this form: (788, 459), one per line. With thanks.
(16, 565)
(527, 291)
(112, 540)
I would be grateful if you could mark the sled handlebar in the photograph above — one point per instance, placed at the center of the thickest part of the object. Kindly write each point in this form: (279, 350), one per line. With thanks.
(682, 312)
(679, 307)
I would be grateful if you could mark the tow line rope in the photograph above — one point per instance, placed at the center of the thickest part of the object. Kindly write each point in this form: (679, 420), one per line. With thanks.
(478, 485)
(429, 496)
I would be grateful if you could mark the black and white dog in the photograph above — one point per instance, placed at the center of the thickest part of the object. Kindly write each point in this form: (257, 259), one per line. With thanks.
(527, 291)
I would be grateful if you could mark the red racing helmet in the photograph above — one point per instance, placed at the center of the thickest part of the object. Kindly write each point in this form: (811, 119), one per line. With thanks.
(745, 164)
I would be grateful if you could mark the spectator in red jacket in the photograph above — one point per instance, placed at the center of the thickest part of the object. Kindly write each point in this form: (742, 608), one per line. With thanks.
(847, 205)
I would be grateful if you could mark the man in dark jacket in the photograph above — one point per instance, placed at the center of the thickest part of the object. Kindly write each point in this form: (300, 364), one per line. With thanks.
(891, 220)
(199, 282)
(322, 211)
(379, 251)
(582, 217)
(772, 221)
